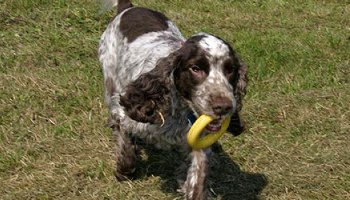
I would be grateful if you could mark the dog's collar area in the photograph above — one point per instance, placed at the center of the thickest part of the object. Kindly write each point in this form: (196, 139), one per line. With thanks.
(191, 118)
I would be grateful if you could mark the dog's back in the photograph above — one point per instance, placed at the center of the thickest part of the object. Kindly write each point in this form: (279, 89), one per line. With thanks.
(132, 44)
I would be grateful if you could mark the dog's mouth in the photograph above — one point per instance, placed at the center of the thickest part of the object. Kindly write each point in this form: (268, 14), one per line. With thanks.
(214, 126)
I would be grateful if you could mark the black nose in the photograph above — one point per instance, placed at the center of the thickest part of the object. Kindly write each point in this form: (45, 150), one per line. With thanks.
(221, 105)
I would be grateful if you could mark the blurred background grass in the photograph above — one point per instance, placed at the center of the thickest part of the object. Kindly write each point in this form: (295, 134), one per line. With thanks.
(53, 139)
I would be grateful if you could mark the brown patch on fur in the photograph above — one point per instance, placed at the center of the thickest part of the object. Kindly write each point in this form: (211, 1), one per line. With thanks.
(149, 95)
(236, 72)
(191, 55)
(125, 155)
(241, 83)
(123, 4)
(138, 21)
(236, 126)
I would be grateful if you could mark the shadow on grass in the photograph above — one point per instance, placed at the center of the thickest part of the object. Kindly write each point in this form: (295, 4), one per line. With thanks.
(226, 180)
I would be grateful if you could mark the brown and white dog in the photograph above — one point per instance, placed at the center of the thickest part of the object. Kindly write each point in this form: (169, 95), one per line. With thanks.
(155, 79)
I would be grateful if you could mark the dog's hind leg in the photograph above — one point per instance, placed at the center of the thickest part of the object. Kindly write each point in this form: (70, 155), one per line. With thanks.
(195, 187)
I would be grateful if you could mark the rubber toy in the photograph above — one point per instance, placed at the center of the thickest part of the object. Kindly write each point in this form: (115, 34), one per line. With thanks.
(194, 138)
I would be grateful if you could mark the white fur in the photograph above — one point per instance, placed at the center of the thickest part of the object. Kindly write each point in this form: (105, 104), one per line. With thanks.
(125, 62)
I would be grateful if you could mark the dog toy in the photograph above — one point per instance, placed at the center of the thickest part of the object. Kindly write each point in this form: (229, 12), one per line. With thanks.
(193, 136)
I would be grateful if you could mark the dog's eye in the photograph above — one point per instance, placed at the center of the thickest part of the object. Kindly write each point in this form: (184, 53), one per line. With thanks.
(228, 69)
(195, 69)
(197, 72)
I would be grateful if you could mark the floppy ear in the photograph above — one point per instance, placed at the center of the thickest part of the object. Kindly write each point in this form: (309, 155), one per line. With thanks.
(240, 82)
(236, 126)
(148, 98)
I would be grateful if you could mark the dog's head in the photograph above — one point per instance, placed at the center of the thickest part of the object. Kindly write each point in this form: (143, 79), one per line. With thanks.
(211, 77)
(207, 74)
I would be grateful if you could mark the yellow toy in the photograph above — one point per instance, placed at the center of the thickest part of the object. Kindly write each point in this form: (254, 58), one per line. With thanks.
(193, 136)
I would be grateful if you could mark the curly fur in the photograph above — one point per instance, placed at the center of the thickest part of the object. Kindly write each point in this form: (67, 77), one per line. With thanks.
(150, 94)
(154, 78)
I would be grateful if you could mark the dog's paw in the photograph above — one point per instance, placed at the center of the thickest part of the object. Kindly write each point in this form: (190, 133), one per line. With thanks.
(124, 175)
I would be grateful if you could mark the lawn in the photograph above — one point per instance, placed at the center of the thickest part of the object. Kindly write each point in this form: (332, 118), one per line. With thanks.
(54, 143)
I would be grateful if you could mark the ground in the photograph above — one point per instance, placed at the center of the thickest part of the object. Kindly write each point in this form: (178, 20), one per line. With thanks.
(54, 143)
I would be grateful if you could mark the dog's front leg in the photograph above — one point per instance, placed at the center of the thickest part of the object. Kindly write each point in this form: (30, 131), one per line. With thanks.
(125, 153)
(195, 187)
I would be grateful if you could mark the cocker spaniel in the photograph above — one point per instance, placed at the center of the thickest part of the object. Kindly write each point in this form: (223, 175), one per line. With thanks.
(156, 80)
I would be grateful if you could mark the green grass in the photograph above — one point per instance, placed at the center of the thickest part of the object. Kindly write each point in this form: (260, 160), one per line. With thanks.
(53, 139)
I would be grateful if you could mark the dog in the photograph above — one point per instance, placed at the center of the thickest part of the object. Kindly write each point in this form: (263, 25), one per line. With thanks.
(156, 80)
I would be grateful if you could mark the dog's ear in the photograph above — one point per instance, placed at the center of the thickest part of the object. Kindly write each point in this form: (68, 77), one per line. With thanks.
(237, 126)
(148, 98)
(241, 81)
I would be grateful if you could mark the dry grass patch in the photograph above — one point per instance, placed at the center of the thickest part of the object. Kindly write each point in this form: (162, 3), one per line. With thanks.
(53, 139)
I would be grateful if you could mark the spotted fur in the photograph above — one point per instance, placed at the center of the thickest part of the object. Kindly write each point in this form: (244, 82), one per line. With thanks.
(154, 78)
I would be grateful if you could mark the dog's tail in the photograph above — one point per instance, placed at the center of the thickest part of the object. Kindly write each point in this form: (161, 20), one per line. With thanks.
(120, 4)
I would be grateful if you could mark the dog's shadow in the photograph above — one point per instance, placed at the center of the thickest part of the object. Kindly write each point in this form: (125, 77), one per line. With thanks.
(226, 180)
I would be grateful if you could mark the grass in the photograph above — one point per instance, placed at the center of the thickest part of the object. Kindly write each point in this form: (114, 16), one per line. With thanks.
(53, 139)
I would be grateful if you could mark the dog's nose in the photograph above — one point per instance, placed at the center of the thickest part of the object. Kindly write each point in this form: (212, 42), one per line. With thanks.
(222, 105)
